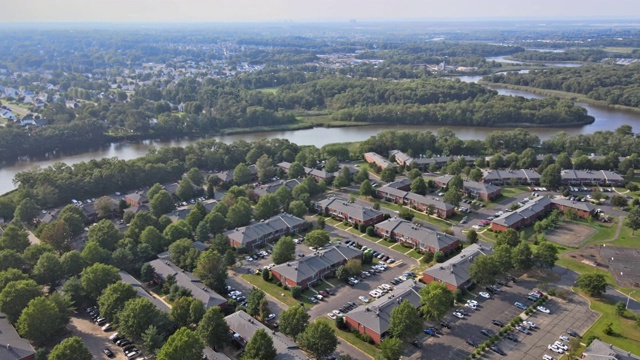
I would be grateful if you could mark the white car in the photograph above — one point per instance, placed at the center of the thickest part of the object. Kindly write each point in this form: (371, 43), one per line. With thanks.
(543, 309)
(459, 315)
(555, 349)
(375, 293)
(547, 357)
(472, 302)
(332, 316)
(364, 299)
(271, 317)
(561, 345)
(387, 287)
(484, 294)
(472, 306)
(477, 227)
(530, 324)
(337, 313)
(564, 338)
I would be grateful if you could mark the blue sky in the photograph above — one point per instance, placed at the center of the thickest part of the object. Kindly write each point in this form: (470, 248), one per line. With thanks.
(305, 10)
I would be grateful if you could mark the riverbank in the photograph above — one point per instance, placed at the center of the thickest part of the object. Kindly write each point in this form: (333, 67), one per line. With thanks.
(560, 94)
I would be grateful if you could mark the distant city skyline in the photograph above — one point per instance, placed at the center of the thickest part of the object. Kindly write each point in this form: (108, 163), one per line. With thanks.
(304, 10)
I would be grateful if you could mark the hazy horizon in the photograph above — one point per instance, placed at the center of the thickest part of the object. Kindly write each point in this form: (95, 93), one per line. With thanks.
(180, 11)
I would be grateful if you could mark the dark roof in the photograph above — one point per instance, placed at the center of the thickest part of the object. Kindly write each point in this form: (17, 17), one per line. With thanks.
(392, 191)
(12, 346)
(578, 205)
(272, 187)
(128, 279)
(482, 188)
(530, 209)
(377, 315)
(179, 214)
(137, 197)
(137, 209)
(49, 216)
(399, 183)
(256, 231)
(599, 350)
(245, 326)
(424, 236)
(353, 210)
(310, 266)
(455, 271)
(435, 201)
(507, 175)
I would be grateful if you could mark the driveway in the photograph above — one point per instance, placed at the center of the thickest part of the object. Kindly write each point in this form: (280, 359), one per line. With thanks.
(94, 338)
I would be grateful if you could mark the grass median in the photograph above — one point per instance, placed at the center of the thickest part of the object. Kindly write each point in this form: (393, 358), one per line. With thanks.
(275, 291)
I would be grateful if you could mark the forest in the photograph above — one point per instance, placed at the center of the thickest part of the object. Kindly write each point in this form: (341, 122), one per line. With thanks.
(586, 55)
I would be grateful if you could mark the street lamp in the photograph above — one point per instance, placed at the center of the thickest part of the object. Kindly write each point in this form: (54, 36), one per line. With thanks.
(629, 297)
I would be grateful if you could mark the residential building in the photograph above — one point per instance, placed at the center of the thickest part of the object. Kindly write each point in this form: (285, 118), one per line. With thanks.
(12, 346)
(317, 174)
(164, 267)
(136, 199)
(423, 163)
(128, 279)
(350, 212)
(136, 209)
(417, 236)
(380, 161)
(523, 216)
(264, 231)
(179, 214)
(402, 184)
(599, 350)
(49, 216)
(244, 326)
(272, 187)
(591, 177)
(454, 273)
(306, 271)
(373, 319)
(483, 191)
(583, 209)
(508, 177)
(420, 202)
(226, 176)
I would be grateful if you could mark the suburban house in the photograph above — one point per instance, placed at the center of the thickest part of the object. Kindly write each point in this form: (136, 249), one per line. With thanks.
(136, 199)
(421, 202)
(415, 235)
(373, 319)
(12, 346)
(243, 326)
(483, 191)
(508, 177)
(49, 216)
(591, 177)
(128, 279)
(584, 209)
(164, 267)
(524, 216)
(350, 212)
(179, 214)
(377, 159)
(266, 230)
(599, 350)
(306, 271)
(455, 272)
(272, 187)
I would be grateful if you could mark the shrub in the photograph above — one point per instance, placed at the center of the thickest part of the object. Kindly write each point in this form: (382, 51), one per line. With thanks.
(552, 292)
(428, 257)
(278, 283)
(590, 339)
(296, 291)
(362, 227)
(370, 231)
(439, 256)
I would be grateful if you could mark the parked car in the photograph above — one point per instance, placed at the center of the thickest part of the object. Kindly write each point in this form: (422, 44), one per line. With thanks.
(512, 337)
(430, 331)
(472, 343)
(573, 333)
(497, 323)
(497, 350)
(555, 349)
(332, 316)
(520, 305)
(543, 309)
(364, 299)
(486, 332)
(484, 294)
(523, 330)
(416, 343)
(458, 314)
(445, 324)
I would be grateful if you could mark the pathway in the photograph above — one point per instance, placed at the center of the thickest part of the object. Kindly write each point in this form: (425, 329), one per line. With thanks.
(618, 230)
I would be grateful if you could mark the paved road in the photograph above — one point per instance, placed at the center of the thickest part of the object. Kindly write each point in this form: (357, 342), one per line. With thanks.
(94, 338)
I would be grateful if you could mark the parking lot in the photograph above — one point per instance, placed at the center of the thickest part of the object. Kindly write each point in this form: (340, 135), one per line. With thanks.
(574, 315)
(94, 338)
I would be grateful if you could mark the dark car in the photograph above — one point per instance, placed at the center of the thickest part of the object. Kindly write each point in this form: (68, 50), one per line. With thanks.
(497, 350)
(129, 348)
(108, 352)
(445, 324)
(490, 289)
(123, 342)
(512, 337)
(497, 323)
(430, 331)
(416, 343)
(573, 333)
(511, 278)
(472, 343)
(486, 333)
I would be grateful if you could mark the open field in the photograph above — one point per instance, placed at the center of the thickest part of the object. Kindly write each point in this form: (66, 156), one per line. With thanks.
(570, 234)
(511, 191)
(626, 239)
(624, 50)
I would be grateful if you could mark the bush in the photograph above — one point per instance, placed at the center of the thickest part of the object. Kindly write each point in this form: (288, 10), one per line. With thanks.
(439, 256)
(590, 339)
(362, 227)
(278, 283)
(552, 292)
(296, 291)
(428, 257)
(371, 231)
(266, 274)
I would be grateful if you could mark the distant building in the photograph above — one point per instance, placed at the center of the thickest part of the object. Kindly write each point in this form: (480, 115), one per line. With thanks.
(272, 187)
(420, 202)
(424, 163)
(380, 161)
(454, 273)
(12, 346)
(128, 279)
(591, 177)
(419, 237)
(483, 191)
(265, 231)
(508, 177)
(350, 212)
(583, 209)
(599, 350)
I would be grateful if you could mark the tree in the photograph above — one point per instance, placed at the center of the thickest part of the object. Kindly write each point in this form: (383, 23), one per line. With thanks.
(267, 206)
(48, 270)
(619, 201)
(152, 339)
(317, 238)
(353, 266)
(104, 207)
(502, 258)
(15, 297)
(154, 238)
(284, 250)
(184, 254)
(475, 174)
(392, 348)
(93, 253)
(154, 190)
(195, 176)
(97, 277)
(70, 349)
(239, 214)
(114, 297)
(147, 273)
(212, 270)
(26, 211)
(546, 255)
(483, 270)
(260, 347)
(297, 208)
(436, 299)
(633, 219)
(264, 309)
(40, 321)
(74, 217)
(71, 263)
(296, 170)
(105, 234)
(196, 215)
(178, 230)
(229, 258)
(185, 190)
(241, 174)
(593, 284)
(11, 275)
(361, 175)
(253, 301)
(141, 221)
(621, 308)
(162, 203)
(509, 237)
(452, 196)
(522, 257)
(137, 315)
(265, 168)
(216, 222)
(456, 182)
(183, 344)
(366, 189)
(14, 238)
(405, 321)
(181, 311)
(319, 339)
(293, 321)
(419, 186)
(388, 175)
(472, 237)
(56, 234)
(551, 177)
(213, 329)
(10, 259)
(332, 165)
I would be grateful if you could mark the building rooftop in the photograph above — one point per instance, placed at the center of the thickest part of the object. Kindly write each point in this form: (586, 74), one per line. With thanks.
(255, 231)
(578, 205)
(272, 187)
(353, 210)
(307, 267)
(128, 279)
(599, 350)
(425, 236)
(455, 271)
(12, 346)
(532, 208)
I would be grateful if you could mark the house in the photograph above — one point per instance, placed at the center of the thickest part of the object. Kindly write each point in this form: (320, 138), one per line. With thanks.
(420, 202)
(179, 214)
(350, 212)
(226, 176)
(373, 319)
(7, 114)
(12, 346)
(402, 184)
(126, 278)
(272, 187)
(164, 267)
(136, 209)
(136, 199)
(455, 272)
(244, 326)
(591, 177)
(584, 209)
(599, 350)
(264, 231)
(423, 163)
(375, 158)
(524, 216)
(484, 191)
(49, 216)
(308, 270)
(508, 177)
(418, 236)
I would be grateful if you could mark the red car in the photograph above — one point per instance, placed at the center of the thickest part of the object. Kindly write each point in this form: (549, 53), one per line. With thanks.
(323, 293)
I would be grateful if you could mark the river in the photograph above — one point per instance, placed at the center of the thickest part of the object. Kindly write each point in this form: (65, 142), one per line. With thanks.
(502, 59)
(606, 119)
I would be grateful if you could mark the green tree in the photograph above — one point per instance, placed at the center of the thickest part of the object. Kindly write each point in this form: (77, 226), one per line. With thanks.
(472, 237)
(317, 238)
(40, 321)
(141, 221)
(564, 161)
(93, 253)
(70, 349)
(284, 250)
(366, 189)
(419, 186)
(483, 270)
(97, 277)
(551, 177)
(267, 206)
(475, 174)
(154, 190)
(361, 175)
(592, 283)
(152, 339)
(253, 301)
(239, 214)
(265, 168)
(392, 348)
(48, 270)
(196, 215)
(633, 219)
(162, 203)
(405, 321)
(181, 311)
(10, 275)
(545, 255)
(293, 321)
(136, 316)
(113, 298)
(185, 190)
(229, 258)
(16, 295)
(502, 258)
(195, 176)
(332, 165)
(71, 263)
(260, 347)
(388, 175)
(621, 308)
(216, 222)
(104, 207)
(10, 259)
(297, 208)
(436, 299)
(522, 257)
(57, 235)
(178, 230)
(241, 174)
(74, 218)
(213, 329)
(14, 238)
(154, 238)
(26, 211)
(296, 170)
(452, 196)
(184, 254)
(105, 234)
(184, 344)
(619, 201)
(319, 339)
(147, 273)
(509, 237)
(457, 183)
(212, 270)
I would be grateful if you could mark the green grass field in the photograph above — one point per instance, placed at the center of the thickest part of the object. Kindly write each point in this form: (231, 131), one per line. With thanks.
(511, 191)
(349, 337)
(275, 291)
(624, 50)
(626, 239)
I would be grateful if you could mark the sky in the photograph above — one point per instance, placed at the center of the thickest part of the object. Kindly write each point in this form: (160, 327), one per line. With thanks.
(306, 10)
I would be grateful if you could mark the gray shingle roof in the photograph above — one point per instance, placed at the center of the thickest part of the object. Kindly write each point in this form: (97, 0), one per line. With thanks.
(392, 191)
(128, 279)
(455, 271)
(310, 266)
(399, 183)
(578, 205)
(354, 211)
(507, 175)
(427, 200)
(19, 348)
(532, 208)
(599, 350)
(377, 315)
(379, 160)
(272, 187)
(256, 231)
(245, 326)
(425, 236)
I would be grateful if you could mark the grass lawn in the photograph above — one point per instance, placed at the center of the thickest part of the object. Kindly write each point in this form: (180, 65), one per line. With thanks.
(626, 50)
(418, 215)
(414, 254)
(275, 291)
(581, 268)
(603, 232)
(371, 238)
(387, 243)
(626, 239)
(348, 336)
(511, 191)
